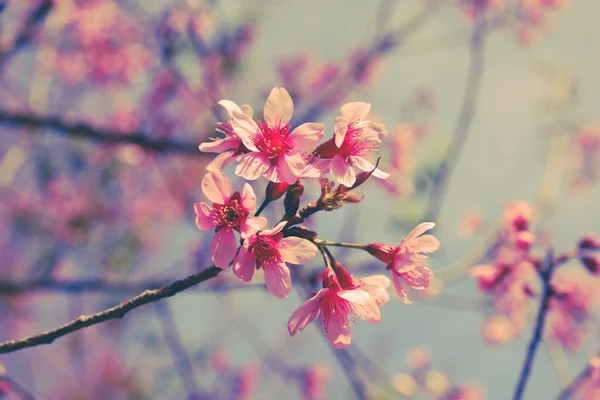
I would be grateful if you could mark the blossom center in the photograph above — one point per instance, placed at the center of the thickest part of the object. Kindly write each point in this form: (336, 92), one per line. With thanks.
(273, 141)
(334, 308)
(358, 142)
(266, 249)
(229, 215)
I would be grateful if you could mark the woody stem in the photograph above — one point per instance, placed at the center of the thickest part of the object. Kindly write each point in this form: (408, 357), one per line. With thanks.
(319, 242)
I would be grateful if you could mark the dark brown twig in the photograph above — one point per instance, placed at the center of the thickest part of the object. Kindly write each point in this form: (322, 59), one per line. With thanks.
(116, 312)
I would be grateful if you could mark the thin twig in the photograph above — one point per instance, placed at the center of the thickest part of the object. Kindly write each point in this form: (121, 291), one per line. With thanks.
(119, 311)
(39, 123)
(463, 124)
(546, 274)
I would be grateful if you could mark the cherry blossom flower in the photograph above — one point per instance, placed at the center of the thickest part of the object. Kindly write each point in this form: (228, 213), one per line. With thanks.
(274, 151)
(230, 211)
(270, 251)
(335, 305)
(407, 261)
(231, 146)
(355, 137)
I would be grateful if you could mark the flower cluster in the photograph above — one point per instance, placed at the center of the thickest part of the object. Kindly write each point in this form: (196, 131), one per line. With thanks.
(286, 155)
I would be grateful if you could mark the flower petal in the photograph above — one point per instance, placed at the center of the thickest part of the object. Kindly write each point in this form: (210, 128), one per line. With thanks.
(252, 225)
(369, 311)
(221, 161)
(355, 111)
(399, 289)
(252, 166)
(419, 230)
(354, 296)
(219, 145)
(217, 187)
(306, 313)
(296, 250)
(278, 228)
(278, 279)
(222, 248)
(244, 265)
(291, 166)
(376, 280)
(340, 128)
(364, 165)
(230, 107)
(339, 332)
(417, 278)
(426, 244)
(204, 219)
(248, 198)
(342, 171)
(246, 129)
(306, 136)
(279, 107)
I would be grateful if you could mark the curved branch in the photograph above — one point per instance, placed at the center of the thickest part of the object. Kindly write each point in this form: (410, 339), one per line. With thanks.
(116, 312)
(89, 132)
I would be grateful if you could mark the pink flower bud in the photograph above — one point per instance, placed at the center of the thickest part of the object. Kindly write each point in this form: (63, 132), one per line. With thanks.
(525, 240)
(589, 242)
(276, 190)
(591, 263)
(382, 252)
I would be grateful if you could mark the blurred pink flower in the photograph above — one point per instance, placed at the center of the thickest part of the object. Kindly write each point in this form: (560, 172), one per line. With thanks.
(230, 211)
(407, 261)
(270, 251)
(316, 377)
(335, 305)
(274, 151)
(355, 137)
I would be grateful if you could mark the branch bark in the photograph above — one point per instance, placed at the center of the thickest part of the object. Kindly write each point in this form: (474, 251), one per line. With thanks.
(116, 312)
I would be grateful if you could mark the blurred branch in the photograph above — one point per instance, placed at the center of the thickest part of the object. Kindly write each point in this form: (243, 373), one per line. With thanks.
(181, 358)
(463, 124)
(8, 288)
(108, 136)
(546, 275)
(569, 391)
(119, 311)
(36, 17)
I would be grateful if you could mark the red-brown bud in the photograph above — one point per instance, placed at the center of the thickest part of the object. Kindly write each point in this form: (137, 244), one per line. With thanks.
(276, 190)
(589, 242)
(344, 278)
(591, 263)
(301, 232)
(292, 199)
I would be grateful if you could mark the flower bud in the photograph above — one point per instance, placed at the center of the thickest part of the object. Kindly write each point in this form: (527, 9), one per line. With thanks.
(591, 263)
(276, 190)
(292, 199)
(343, 276)
(301, 232)
(525, 240)
(589, 242)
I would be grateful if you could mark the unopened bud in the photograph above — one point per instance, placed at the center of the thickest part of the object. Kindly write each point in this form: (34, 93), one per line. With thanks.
(344, 278)
(591, 263)
(276, 190)
(292, 199)
(301, 232)
(589, 242)
(525, 240)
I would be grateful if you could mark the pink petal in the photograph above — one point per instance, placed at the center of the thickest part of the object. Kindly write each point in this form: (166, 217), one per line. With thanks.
(221, 161)
(219, 145)
(244, 265)
(222, 248)
(399, 289)
(290, 167)
(252, 166)
(230, 106)
(204, 219)
(252, 225)
(296, 250)
(278, 108)
(277, 278)
(246, 129)
(306, 313)
(356, 111)
(417, 278)
(340, 128)
(364, 165)
(306, 136)
(425, 244)
(248, 198)
(379, 294)
(339, 332)
(342, 171)
(369, 311)
(376, 280)
(420, 229)
(217, 187)
(354, 296)
(278, 228)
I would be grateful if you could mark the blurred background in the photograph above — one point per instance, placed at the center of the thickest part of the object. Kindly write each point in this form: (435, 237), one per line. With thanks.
(103, 104)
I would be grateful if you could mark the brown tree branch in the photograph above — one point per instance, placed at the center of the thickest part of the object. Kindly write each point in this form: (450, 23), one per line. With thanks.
(38, 123)
(116, 312)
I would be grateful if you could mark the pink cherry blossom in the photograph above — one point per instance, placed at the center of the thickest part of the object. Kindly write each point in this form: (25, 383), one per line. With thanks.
(407, 261)
(230, 211)
(355, 137)
(269, 250)
(230, 147)
(335, 304)
(274, 151)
